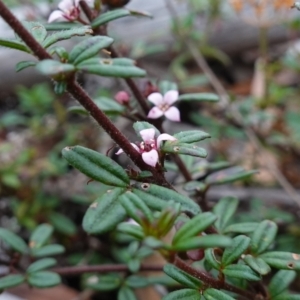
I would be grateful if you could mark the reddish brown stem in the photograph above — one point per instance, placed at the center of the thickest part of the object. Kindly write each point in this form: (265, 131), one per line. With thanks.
(80, 95)
(210, 281)
(103, 269)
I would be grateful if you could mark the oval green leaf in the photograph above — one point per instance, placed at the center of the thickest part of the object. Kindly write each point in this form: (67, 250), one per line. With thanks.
(15, 242)
(110, 16)
(282, 260)
(211, 259)
(241, 272)
(41, 265)
(199, 97)
(191, 136)
(280, 282)
(43, 279)
(182, 277)
(257, 264)
(194, 226)
(96, 166)
(24, 64)
(103, 282)
(40, 236)
(105, 213)
(176, 147)
(156, 196)
(213, 294)
(11, 280)
(183, 294)
(246, 227)
(238, 246)
(263, 236)
(53, 67)
(48, 250)
(14, 44)
(126, 293)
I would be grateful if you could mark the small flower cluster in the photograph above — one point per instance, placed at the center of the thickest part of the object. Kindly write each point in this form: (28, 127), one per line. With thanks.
(69, 10)
(149, 147)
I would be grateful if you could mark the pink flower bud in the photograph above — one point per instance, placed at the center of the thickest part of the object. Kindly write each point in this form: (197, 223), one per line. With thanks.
(122, 97)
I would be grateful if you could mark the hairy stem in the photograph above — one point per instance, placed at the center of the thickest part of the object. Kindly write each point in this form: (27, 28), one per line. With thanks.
(82, 97)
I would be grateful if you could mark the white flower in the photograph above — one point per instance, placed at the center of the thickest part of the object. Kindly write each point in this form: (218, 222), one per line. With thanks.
(150, 146)
(163, 106)
(68, 11)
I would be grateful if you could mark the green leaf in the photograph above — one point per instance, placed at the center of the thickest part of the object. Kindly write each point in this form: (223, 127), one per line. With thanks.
(14, 44)
(182, 277)
(224, 210)
(139, 126)
(13, 241)
(191, 136)
(60, 87)
(132, 204)
(222, 177)
(181, 148)
(241, 272)
(213, 294)
(24, 64)
(62, 223)
(288, 297)
(263, 236)
(194, 226)
(246, 227)
(193, 186)
(199, 97)
(43, 279)
(157, 197)
(53, 67)
(257, 264)
(109, 106)
(38, 31)
(211, 259)
(111, 68)
(132, 230)
(110, 16)
(202, 242)
(66, 34)
(96, 166)
(41, 265)
(282, 260)
(88, 48)
(40, 236)
(60, 51)
(137, 281)
(238, 246)
(183, 294)
(165, 86)
(126, 293)
(11, 280)
(134, 265)
(280, 282)
(48, 250)
(103, 282)
(105, 213)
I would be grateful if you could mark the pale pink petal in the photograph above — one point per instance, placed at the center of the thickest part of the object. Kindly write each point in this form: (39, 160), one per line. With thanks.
(156, 98)
(170, 97)
(150, 158)
(147, 134)
(66, 5)
(55, 16)
(164, 137)
(173, 114)
(120, 151)
(155, 113)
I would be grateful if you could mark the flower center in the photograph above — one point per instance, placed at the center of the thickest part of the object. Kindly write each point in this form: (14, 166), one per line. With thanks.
(164, 106)
(147, 146)
(72, 14)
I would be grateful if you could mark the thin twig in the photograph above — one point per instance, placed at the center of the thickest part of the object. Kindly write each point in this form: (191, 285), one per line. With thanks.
(75, 270)
(225, 104)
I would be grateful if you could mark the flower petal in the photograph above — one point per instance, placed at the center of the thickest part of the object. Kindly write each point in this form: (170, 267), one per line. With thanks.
(150, 158)
(164, 137)
(155, 113)
(156, 98)
(66, 5)
(133, 145)
(120, 151)
(173, 114)
(147, 134)
(170, 97)
(56, 15)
